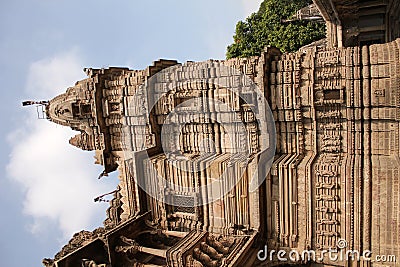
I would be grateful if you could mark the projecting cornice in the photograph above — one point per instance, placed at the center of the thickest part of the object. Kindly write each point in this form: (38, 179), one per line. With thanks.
(357, 23)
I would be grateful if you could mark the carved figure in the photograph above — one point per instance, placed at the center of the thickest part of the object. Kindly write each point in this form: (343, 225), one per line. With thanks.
(210, 251)
(91, 263)
(212, 241)
(204, 258)
(192, 262)
(48, 262)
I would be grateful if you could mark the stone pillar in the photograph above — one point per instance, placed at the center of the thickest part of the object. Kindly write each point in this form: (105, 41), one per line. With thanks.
(153, 251)
(138, 264)
(174, 233)
(133, 247)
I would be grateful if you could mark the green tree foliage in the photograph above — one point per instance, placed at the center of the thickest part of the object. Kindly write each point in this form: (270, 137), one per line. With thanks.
(266, 27)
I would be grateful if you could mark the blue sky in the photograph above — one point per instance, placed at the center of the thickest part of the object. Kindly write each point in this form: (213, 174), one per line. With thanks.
(47, 187)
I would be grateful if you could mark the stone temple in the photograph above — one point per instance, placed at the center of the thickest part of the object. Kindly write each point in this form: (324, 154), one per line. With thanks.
(328, 165)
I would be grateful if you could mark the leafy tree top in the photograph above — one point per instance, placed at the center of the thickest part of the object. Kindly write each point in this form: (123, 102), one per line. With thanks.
(266, 27)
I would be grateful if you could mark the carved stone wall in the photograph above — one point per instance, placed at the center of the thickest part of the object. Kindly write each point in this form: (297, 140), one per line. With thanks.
(335, 175)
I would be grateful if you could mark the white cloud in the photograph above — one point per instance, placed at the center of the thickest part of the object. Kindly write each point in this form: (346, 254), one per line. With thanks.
(59, 181)
(250, 6)
(51, 76)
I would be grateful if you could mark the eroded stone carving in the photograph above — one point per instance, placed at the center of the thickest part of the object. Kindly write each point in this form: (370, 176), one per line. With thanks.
(78, 240)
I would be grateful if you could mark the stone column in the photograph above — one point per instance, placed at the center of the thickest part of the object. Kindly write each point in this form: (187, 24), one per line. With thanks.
(138, 264)
(174, 233)
(153, 251)
(134, 247)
